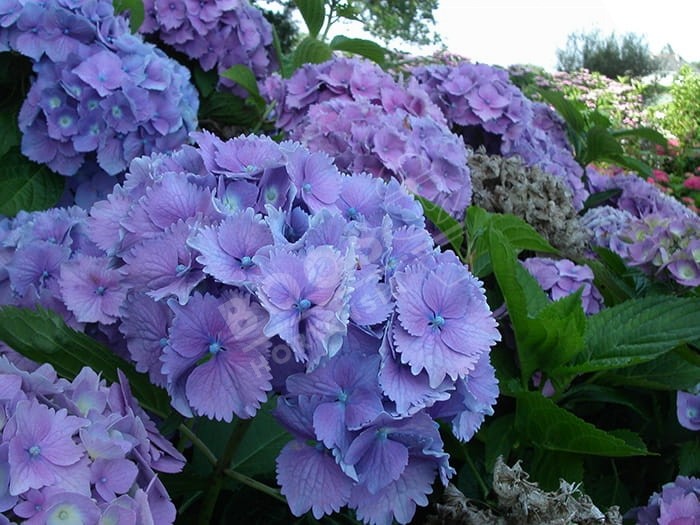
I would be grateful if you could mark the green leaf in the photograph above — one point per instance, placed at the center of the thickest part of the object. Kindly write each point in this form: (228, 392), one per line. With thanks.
(633, 164)
(360, 46)
(548, 426)
(227, 109)
(245, 77)
(25, 185)
(477, 227)
(600, 198)
(600, 145)
(571, 114)
(675, 370)
(548, 467)
(10, 135)
(314, 13)
(43, 336)
(520, 234)
(311, 51)
(593, 393)
(636, 331)
(262, 443)
(449, 227)
(135, 11)
(205, 81)
(649, 134)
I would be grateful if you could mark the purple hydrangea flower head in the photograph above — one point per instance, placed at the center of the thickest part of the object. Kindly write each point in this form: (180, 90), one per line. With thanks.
(444, 323)
(562, 277)
(99, 93)
(483, 106)
(677, 503)
(218, 34)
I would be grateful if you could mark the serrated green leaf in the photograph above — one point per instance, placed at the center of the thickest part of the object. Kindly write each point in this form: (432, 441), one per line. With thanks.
(314, 13)
(43, 336)
(596, 393)
(675, 370)
(10, 135)
(600, 144)
(548, 426)
(635, 332)
(520, 234)
(360, 46)
(244, 76)
(25, 185)
(310, 51)
(135, 9)
(451, 229)
(632, 164)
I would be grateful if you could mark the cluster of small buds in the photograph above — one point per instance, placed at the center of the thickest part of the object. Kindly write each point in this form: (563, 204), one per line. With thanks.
(79, 451)
(369, 122)
(216, 33)
(484, 107)
(97, 89)
(562, 277)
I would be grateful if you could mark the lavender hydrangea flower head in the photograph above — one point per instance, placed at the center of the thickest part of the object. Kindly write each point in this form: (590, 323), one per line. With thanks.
(72, 452)
(99, 92)
(677, 502)
(688, 409)
(369, 122)
(483, 106)
(218, 34)
(562, 277)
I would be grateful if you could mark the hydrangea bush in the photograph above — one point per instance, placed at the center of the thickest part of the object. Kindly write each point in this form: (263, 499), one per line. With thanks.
(295, 312)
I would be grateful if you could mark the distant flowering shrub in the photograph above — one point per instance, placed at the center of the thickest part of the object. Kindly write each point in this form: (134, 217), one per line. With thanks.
(233, 269)
(79, 451)
(217, 34)
(486, 109)
(646, 228)
(98, 89)
(369, 122)
(560, 278)
(678, 502)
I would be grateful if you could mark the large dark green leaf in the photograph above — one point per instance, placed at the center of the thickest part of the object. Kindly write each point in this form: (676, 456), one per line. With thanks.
(25, 185)
(548, 426)
(520, 234)
(311, 51)
(636, 331)
(43, 336)
(675, 370)
(571, 114)
(449, 227)
(244, 76)
(499, 437)
(360, 46)
(257, 452)
(9, 131)
(135, 10)
(313, 12)
(227, 109)
(649, 134)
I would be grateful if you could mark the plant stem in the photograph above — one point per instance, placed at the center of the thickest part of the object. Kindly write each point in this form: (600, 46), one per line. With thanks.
(253, 483)
(217, 477)
(481, 482)
(198, 443)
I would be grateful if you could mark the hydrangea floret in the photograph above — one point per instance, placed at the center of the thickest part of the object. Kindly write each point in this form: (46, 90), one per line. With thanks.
(231, 270)
(99, 92)
(79, 451)
(677, 502)
(216, 34)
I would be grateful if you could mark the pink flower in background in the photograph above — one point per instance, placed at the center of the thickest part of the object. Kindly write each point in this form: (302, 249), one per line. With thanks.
(692, 182)
(660, 176)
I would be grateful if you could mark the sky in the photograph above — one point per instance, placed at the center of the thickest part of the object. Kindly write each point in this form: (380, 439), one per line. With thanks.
(505, 32)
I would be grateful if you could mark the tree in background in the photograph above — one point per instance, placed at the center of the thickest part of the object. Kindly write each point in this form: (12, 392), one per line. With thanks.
(409, 20)
(610, 55)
